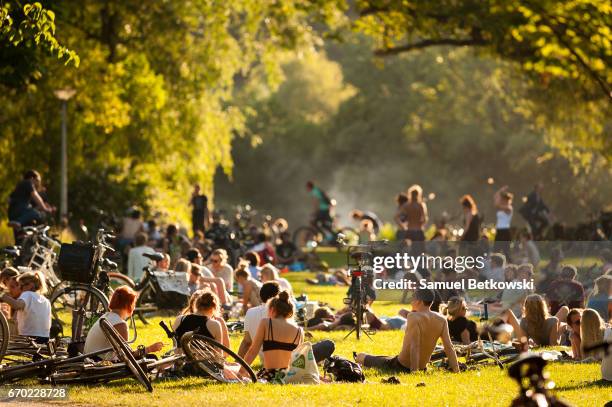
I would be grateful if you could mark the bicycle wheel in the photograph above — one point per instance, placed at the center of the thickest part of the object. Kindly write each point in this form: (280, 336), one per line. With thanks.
(306, 236)
(5, 335)
(212, 357)
(146, 303)
(357, 305)
(77, 307)
(358, 319)
(124, 352)
(504, 356)
(116, 280)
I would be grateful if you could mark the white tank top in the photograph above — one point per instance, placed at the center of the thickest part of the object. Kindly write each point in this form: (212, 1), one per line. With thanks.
(503, 220)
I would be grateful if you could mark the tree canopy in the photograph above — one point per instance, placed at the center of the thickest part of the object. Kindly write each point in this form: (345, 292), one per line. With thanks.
(164, 88)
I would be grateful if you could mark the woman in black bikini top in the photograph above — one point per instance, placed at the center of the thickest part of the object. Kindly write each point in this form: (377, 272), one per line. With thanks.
(271, 344)
(277, 353)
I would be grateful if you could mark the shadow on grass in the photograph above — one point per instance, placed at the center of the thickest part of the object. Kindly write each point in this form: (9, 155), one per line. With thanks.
(600, 384)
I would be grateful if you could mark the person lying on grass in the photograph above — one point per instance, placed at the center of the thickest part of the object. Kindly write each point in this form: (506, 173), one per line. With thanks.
(537, 324)
(202, 317)
(573, 331)
(122, 304)
(593, 331)
(423, 329)
(278, 336)
(386, 323)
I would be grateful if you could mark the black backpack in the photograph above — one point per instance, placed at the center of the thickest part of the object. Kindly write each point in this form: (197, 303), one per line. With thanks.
(343, 370)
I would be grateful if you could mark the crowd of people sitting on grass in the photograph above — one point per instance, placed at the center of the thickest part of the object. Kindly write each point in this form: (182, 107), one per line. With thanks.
(561, 311)
(564, 314)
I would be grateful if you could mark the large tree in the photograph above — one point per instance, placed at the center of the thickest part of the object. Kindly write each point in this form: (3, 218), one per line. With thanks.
(564, 45)
(154, 109)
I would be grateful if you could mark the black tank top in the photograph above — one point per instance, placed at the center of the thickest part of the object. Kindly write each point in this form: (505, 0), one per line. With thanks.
(195, 323)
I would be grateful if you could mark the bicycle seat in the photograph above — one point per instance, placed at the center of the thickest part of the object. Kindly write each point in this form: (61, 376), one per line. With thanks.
(154, 256)
(11, 251)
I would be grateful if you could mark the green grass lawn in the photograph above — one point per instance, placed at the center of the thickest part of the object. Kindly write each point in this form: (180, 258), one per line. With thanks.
(577, 383)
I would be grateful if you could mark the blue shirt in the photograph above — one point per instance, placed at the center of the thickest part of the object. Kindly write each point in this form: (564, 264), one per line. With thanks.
(600, 304)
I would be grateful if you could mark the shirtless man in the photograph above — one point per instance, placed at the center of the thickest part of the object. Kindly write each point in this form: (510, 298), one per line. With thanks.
(423, 329)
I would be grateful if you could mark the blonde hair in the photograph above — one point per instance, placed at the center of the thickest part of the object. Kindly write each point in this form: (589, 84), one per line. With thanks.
(270, 272)
(183, 265)
(35, 278)
(222, 253)
(591, 328)
(535, 313)
(453, 307)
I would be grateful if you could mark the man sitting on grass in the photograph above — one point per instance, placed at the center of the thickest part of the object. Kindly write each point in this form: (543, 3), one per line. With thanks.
(423, 329)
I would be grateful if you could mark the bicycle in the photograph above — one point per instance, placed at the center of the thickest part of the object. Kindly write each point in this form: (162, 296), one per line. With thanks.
(150, 294)
(315, 234)
(37, 252)
(206, 355)
(479, 353)
(89, 283)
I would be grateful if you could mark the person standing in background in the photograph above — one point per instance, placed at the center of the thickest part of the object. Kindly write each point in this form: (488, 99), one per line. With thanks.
(504, 211)
(535, 212)
(415, 214)
(199, 211)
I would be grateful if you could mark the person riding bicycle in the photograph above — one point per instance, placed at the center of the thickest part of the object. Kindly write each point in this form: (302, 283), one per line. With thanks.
(25, 203)
(321, 218)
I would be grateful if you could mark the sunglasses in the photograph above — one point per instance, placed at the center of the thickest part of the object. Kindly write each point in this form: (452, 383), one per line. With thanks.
(215, 261)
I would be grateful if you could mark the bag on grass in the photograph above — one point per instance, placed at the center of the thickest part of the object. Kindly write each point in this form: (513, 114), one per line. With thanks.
(303, 368)
(343, 370)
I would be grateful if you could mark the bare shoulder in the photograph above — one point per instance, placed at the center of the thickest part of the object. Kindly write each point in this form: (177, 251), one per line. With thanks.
(438, 317)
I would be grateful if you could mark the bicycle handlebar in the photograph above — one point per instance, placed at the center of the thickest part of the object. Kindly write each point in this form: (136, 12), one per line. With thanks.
(165, 327)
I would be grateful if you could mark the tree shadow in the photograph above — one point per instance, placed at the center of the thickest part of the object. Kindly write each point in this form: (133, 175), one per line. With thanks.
(601, 384)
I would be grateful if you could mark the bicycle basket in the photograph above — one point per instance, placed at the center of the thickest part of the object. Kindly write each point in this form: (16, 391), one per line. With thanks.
(76, 262)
